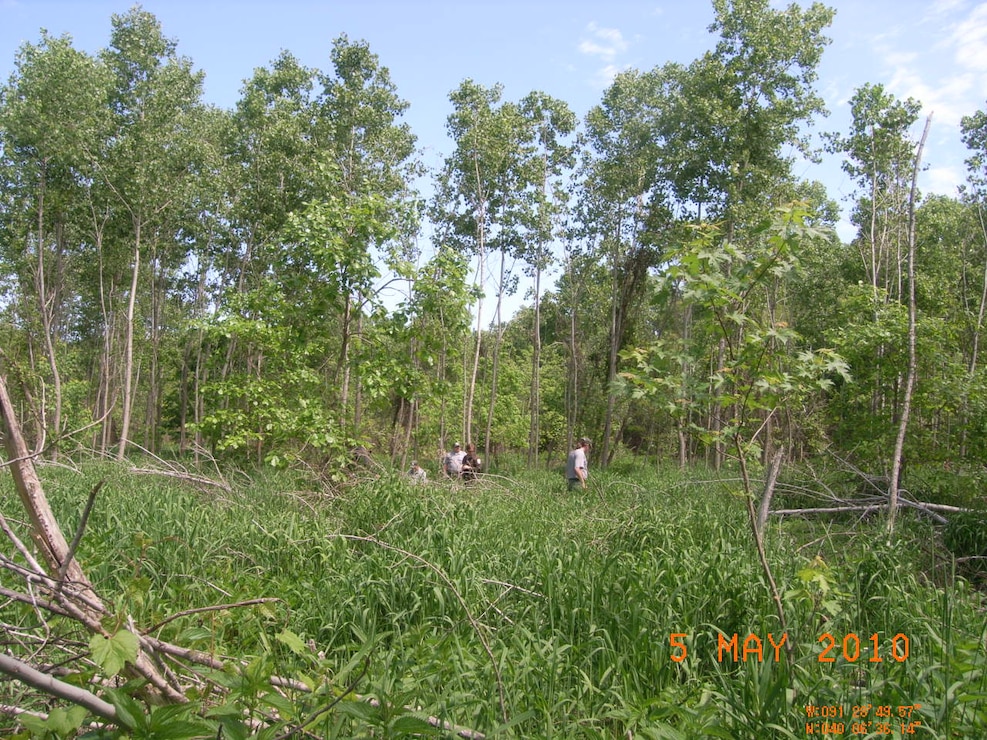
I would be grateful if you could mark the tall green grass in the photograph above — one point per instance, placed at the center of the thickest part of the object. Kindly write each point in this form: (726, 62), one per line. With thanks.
(575, 596)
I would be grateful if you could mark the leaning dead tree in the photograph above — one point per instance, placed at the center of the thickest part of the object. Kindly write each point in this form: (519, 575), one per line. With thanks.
(62, 581)
(910, 378)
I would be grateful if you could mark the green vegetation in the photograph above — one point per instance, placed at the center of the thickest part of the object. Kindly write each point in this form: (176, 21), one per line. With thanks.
(247, 288)
(452, 599)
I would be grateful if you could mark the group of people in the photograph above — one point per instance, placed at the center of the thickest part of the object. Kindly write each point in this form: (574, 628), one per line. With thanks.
(463, 464)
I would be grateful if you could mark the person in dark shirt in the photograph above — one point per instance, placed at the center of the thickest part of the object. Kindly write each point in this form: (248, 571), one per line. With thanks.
(471, 463)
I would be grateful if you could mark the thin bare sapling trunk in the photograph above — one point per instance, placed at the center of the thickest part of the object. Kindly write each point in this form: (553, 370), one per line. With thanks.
(912, 359)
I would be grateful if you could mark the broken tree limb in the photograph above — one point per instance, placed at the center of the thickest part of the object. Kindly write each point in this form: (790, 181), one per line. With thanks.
(44, 529)
(869, 508)
(75, 594)
(199, 480)
(213, 608)
(53, 687)
(70, 557)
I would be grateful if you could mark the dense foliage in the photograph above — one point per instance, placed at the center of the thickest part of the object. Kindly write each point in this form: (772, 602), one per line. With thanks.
(249, 282)
(247, 289)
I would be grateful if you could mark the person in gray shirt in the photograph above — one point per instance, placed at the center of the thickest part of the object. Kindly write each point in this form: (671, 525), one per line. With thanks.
(576, 466)
(452, 465)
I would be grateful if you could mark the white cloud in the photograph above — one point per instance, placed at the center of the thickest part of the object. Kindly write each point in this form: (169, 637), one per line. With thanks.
(606, 74)
(945, 7)
(947, 99)
(947, 71)
(969, 39)
(942, 180)
(605, 43)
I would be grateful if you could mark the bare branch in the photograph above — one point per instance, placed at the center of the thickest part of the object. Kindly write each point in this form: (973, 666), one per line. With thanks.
(53, 687)
(214, 608)
(79, 531)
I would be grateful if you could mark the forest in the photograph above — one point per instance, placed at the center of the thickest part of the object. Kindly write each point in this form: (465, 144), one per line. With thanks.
(224, 338)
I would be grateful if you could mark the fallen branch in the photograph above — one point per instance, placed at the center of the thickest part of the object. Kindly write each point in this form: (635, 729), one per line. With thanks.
(213, 608)
(171, 470)
(870, 508)
(53, 687)
(866, 508)
(86, 511)
(774, 468)
(199, 480)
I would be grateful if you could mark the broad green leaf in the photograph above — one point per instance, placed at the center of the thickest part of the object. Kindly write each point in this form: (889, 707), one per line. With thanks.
(412, 725)
(293, 642)
(114, 653)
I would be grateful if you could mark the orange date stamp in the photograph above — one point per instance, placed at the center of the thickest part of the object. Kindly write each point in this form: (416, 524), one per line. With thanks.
(862, 719)
(851, 648)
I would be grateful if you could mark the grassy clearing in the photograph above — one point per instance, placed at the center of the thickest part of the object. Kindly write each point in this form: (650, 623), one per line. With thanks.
(516, 601)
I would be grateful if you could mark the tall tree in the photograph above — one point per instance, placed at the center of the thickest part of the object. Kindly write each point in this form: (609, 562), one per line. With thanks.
(358, 127)
(624, 206)
(551, 122)
(50, 117)
(468, 193)
(880, 157)
(155, 100)
(906, 403)
(740, 112)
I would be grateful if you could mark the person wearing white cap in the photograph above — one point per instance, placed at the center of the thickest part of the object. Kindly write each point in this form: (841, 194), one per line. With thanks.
(452, 465)
(577, 466)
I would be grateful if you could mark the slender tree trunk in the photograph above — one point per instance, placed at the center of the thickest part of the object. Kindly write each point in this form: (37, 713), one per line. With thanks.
(572, 388)
(498, 338)
(975, 348)
(357, 387)
(471, 388)
(128, 358)
(440, 376)
(343, 364)
(534, 433)
(46, 311)
(481, 238)
(716, 422)
(685, 371)
(874, 261)
(983, 303)
(912, 360)
(615, 331)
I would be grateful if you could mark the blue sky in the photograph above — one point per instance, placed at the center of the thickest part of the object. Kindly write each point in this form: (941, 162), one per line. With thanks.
(932, 50)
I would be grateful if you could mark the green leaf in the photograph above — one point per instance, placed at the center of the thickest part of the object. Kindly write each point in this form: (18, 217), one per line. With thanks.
(114, 653)
(412, 725)
(293, 642)
(64, 722)
(194, 634)
(173, 723)
(129, 712)
(360, 710)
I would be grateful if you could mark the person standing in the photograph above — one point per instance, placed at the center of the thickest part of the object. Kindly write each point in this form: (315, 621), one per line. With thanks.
(452, 465)
(576, 465)
(471, 463)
